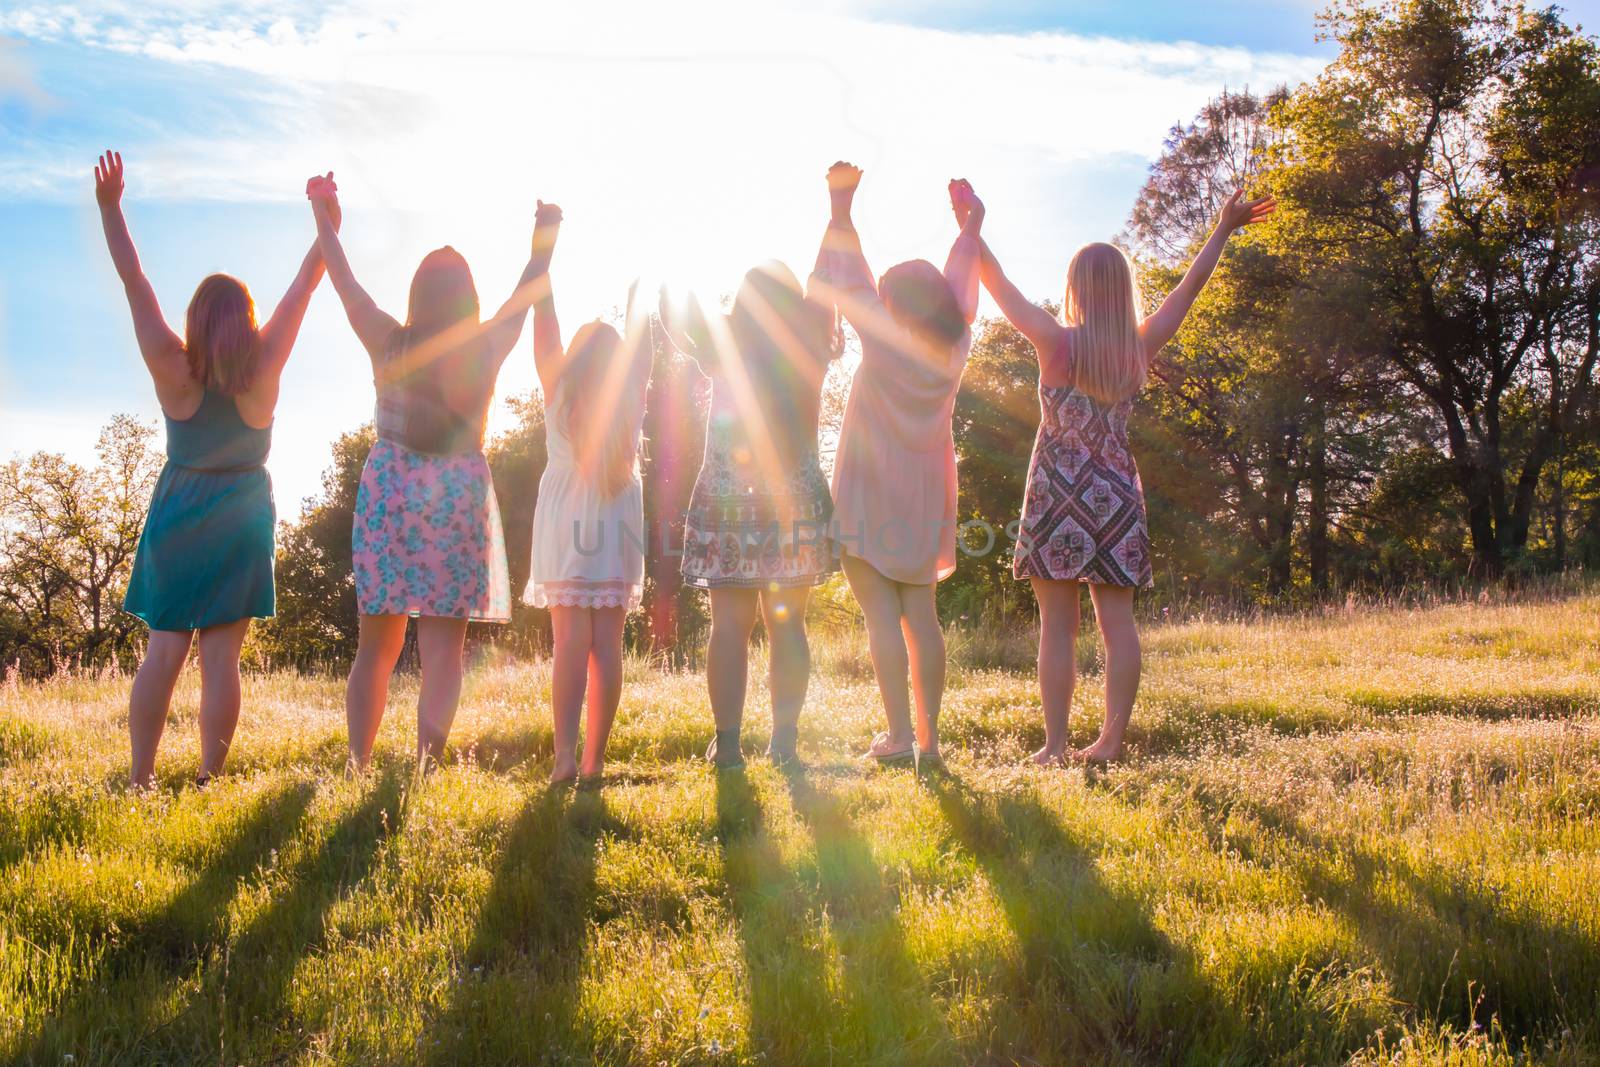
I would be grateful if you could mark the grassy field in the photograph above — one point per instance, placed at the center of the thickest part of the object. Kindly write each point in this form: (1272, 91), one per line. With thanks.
(1365, 838)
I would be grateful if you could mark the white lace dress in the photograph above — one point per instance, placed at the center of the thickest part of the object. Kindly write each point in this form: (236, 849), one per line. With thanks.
(588, 549)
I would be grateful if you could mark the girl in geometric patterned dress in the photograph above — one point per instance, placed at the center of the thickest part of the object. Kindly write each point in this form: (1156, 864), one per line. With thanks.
(426, 540)
(588, 526)
(1083, 517)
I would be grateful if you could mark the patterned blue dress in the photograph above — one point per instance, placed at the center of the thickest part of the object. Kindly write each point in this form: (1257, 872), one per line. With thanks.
(206, 554)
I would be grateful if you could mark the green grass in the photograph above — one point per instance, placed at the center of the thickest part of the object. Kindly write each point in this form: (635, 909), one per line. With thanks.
(1366, 838)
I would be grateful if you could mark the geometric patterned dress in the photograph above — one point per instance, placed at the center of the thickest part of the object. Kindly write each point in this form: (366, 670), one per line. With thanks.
(1083, 517)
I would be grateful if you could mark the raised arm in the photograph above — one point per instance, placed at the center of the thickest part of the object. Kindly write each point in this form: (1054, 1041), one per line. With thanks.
(640, 354)
(278, 335)
(506, 326)
(549, 356)
(847, 263)
(962, 265)
(372, 325)
(823, 299)
(688, 330)
(1159, 328)
(1032, 321)
(161, 348)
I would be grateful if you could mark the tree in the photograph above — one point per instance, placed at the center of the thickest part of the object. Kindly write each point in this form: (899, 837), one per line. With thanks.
(1201, 164)
(1444, 161)
(318, 623)
(674, 429)
(996, 416)
(68, 535)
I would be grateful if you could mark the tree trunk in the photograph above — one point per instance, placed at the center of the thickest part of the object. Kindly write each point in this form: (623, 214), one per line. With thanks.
(1281, 492)
(1558, 511)
(1317, 518)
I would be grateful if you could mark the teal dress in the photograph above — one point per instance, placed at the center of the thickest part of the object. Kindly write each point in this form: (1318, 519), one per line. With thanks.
(206, 555)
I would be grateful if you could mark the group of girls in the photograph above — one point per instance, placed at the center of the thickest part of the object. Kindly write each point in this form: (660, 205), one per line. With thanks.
(763, 526)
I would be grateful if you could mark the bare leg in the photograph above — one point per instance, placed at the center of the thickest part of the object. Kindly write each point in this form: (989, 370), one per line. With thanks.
(880, 604)
(219, 692)
(151, 697)
(605, 685)
(440, 644)
(733, 617)
(789, 664)
(1113, 607)
(569, 667)
(925, 640)
(1058, 661)
(367, 692)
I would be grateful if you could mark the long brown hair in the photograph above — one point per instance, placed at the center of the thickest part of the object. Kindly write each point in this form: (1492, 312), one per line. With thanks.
(785, 343)
(919, 298)
(220, 336)
(441, 351)
(1102, 304)
(599, 421)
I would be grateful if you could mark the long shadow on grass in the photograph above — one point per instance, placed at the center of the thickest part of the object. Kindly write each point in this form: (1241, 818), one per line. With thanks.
(786, 968)
(141, 965)
(1117, 986)
(889, 1004)
(1537, 976)
(263, 959)
(517, 994)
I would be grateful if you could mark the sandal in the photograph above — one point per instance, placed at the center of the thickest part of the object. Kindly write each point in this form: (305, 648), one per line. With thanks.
(932, 762)
(898, 758)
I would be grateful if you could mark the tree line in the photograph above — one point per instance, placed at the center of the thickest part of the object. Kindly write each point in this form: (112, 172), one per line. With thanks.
(1392, 383)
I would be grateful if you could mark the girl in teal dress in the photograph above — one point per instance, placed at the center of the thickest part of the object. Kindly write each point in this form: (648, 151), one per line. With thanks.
(204, 563)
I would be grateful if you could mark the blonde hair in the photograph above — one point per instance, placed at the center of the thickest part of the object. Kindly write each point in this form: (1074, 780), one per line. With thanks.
(605, 440)
(1103, 305)
(220, 337)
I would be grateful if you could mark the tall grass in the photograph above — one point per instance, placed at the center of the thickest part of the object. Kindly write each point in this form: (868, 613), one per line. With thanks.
(1362, 836)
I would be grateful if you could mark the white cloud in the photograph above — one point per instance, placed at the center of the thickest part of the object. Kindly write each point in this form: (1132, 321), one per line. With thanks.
(18, 81)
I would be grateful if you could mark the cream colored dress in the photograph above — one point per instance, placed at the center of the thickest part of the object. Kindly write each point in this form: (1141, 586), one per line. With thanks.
(894, 477)
(588, 548)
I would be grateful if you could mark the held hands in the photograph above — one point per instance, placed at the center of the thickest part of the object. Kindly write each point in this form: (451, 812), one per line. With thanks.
(1238, 212)
(843, 178)
(108, 179)
(323, 192)
(546, 225)
(965, 203)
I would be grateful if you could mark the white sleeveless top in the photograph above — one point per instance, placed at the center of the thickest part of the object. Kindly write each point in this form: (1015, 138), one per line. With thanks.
(588, 548)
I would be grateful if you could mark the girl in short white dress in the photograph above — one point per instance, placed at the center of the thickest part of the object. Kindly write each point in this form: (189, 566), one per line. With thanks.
(588, 525)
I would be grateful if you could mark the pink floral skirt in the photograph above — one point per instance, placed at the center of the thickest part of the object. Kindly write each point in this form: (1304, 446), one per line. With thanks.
(427, 538)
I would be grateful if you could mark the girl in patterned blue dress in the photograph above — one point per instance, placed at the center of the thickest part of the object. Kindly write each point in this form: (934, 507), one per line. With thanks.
(204, 564)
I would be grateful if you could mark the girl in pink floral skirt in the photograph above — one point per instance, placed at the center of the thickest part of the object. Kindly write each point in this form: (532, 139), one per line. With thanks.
(426, 539)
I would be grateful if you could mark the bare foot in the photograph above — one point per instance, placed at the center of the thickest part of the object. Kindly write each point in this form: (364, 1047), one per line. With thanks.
(1099, 752)
(565, 770)
(1049, 757)
(595, 771)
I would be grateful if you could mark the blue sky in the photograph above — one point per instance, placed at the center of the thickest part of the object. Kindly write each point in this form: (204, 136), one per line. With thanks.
(685, 142)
